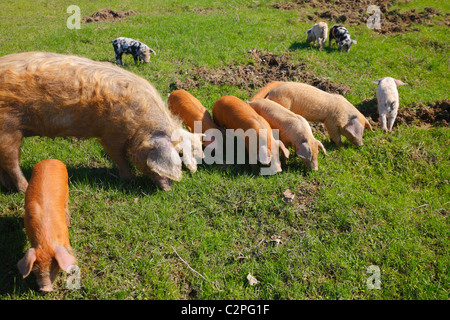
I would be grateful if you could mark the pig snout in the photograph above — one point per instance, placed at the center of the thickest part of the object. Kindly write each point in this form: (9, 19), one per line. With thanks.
(44, 281)
(47, 288)
(163, 182)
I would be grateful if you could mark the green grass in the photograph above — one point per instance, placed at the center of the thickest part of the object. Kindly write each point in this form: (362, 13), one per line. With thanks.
(383, 204)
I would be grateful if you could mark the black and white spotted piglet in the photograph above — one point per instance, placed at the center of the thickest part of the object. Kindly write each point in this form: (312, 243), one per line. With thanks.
(342, 37)
(139, 50)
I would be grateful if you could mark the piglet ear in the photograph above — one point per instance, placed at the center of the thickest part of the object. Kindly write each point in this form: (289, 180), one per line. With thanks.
(322, 147)
(284, 149)
(26, 263)
(64, 258)
(304, 151)
(191, 146)
(264, 155)
(354, 41)
(377, 81)
(399, 83)
(367, 124)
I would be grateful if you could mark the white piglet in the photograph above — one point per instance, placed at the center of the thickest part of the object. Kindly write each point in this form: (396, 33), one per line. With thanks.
(388, 101)
(319, 33)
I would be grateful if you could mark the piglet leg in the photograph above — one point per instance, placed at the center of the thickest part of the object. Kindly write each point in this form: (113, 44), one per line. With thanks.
(383, 121)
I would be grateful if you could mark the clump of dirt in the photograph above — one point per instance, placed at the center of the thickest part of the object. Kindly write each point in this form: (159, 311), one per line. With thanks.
(264, 68)
(434, 113)
(108, 15)
(345, 11)
(396, 22)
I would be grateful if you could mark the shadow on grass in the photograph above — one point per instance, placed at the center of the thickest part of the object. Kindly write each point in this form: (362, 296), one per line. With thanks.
(304, 45)
(13, 241)
(299, 46)
(369, 108)
(108, 179)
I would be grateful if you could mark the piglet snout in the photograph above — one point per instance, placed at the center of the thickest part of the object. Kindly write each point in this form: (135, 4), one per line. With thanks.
(47, 288)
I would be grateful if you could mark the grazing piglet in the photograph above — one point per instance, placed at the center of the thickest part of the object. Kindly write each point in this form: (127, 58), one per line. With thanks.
(388, 102)
(339, 116)
(294, 130)
(139, 50)
(233, 113)
(319, 33)
(46, 220)
(261, 94)
(342, 37)
(189, 109)
(54, 95)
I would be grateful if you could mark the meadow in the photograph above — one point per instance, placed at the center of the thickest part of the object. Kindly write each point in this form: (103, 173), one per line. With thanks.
(385, 204)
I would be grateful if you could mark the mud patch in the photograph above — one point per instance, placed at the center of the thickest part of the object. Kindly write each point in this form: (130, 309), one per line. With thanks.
(108, 15)
(345, 11)
(264, 68)
(435, 113)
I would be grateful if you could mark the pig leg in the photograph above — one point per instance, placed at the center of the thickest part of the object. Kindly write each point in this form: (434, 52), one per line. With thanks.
(5, 180)
(119, 58)
(118, 156)
(334, 133)
(11, 175)
(9, 161)
(319, 43)
(383, 121)
(391, 120)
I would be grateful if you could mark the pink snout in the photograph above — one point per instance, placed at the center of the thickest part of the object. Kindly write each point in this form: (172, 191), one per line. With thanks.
(47, 288)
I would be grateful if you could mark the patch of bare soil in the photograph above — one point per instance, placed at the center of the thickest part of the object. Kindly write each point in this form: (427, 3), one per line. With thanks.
(355, 13)
(435, 113)
(108, 15)
(264, 68)
(304, 198)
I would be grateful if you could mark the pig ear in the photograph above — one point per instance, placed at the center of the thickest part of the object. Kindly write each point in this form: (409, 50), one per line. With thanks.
(377, 81)
(26, 263)
(322, 147)
(399, 83)
(164, 159)
(304, 151)
(308, 31)
(354, 41)
(284, 149)
(355, 128)
(64, 258)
